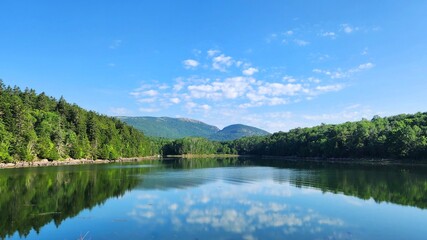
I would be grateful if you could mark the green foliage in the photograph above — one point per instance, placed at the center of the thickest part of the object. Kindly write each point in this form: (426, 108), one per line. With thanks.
(195, 146)
(39, 127)
(402, 136)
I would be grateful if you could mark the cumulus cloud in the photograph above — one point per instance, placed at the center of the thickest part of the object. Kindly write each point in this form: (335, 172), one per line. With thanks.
(301, 43)
(366, 66)
(222, 62)
(278, 89)
(331, 35)
(339, 73)
(190, 63)
(212, 52)
(175, 100)
(151, 93)
(289, 79)
(347, 28)
(250, 71)
(230, 88)
(329, 88)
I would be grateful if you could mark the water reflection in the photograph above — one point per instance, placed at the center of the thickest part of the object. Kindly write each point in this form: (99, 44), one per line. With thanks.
(214, 199)
(31, 198)
(220, 210)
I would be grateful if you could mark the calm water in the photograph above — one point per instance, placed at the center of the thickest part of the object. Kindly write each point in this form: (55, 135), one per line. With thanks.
(214, 199)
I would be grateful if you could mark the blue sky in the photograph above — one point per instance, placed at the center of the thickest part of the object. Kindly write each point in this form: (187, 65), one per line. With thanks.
(276, 65)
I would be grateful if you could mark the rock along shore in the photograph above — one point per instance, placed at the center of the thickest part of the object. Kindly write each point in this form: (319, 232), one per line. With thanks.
(69, 162)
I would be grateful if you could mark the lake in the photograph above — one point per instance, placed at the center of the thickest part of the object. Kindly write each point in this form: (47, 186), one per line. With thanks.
(226, 198)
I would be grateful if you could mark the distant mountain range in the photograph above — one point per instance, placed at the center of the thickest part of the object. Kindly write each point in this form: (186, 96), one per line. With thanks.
(174, 128)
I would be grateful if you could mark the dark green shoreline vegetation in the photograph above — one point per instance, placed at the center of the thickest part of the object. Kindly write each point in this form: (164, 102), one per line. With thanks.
(35, 126)
(398, 137)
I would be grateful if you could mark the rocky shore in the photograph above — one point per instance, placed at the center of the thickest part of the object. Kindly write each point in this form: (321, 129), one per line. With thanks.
(69, 161)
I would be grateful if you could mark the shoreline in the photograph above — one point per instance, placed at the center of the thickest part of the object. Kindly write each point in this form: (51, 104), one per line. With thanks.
(366, 161)
(72, 162)
(203, 156)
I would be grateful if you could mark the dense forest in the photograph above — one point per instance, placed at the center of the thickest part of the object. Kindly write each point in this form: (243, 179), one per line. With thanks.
(35, 126)
(399, 137)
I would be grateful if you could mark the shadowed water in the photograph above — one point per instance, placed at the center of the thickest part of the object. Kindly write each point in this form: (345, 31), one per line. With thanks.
(215, 199)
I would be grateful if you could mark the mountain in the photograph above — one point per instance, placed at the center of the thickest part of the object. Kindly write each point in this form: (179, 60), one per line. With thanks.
(167, 127)
(237, 131)
(174, 128)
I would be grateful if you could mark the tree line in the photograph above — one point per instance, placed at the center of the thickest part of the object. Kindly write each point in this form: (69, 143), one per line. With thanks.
(36, 126)
(400, 137)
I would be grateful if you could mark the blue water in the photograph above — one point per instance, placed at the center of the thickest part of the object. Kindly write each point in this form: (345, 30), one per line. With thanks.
(242, 200)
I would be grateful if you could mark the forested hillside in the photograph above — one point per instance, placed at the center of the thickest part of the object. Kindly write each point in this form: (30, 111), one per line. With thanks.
(176, 128)
(401, 136)
(237, 131)
(35, 126)
(398, 137)
(172, 128)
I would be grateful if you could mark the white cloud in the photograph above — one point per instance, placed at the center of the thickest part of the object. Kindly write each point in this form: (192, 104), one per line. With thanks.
(146, 100)
(279, 89)
(301, 43)
(250, 71)
(175, 100)
(230, 88)
(366, 66)
(222, 62)
(329, 88)
(313, 80)
(331, 35)
(339, 73)
(205, 107)
(289, 79)
(212, 52)
(348, 28)
(150, 93)
(190, 64)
